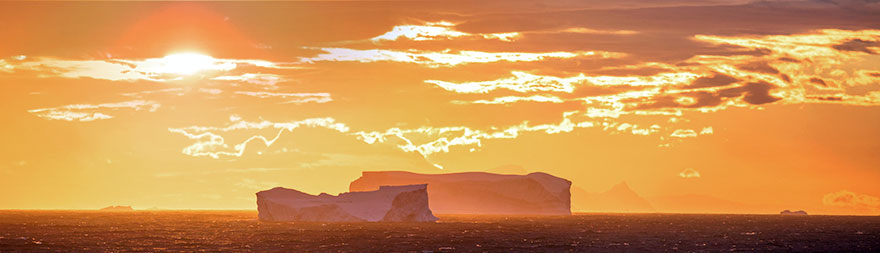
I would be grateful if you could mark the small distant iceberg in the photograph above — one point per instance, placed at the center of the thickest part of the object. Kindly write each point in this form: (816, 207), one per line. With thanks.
(406, 203)
(789, 212)
(117, 208)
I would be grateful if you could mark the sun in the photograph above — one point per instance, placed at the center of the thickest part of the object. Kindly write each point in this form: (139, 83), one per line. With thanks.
(191, 63)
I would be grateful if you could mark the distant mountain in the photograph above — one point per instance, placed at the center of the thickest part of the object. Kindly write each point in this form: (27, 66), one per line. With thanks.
(701, 204)
(619, 198)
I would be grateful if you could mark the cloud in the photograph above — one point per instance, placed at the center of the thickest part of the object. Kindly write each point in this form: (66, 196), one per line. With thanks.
(799, 66)
(441, 30)
(525, 82)
(427, 141)
(254, 78)
(210, 141)
(140, 94)
(169, 68)
(714, 80)
(700, 84)
(703, 83)
(689, 173)
(757, 93)
(73, 116)
(584, 30)
(760, 67)
(88, 112)
(520, 82)
(180, 91)
(211, 91)
(515, 99)
(6, 67)
(444, 30)
(859, 45)
(707, 130)
(292, 98)
(446, 137)
(684, 133)
(444, 58)
(858, 5)
(853, 200)
(753, 93)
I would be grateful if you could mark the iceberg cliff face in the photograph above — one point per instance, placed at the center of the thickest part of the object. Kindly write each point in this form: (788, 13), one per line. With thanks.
(406, 203)
(481, 193)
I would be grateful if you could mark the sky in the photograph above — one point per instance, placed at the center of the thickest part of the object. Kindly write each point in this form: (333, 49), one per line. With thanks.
(774, 104)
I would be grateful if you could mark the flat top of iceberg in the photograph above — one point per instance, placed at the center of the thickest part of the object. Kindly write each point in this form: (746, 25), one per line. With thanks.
(549, 182)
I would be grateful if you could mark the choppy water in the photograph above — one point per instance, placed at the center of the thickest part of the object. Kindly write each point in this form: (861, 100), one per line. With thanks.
(240, 231)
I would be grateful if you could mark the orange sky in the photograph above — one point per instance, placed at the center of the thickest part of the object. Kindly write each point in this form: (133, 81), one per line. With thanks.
(199, 105)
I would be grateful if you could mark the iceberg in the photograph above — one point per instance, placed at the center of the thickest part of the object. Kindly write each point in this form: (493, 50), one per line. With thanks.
(789, 212)
(405, 203)
(480, 192)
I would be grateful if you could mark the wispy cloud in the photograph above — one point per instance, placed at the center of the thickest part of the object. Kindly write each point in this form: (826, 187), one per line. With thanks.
(169, 68)
(210, 141)
(515, 99)
(445, 30)
(689, 173)
(585, 30)
(441, 30)
(140, 94)
(520, 82)
(446, 137)
(90, 112)
(526, 82)
(444, 58)
(684, 133)
(852, 200)
(293, 98)
(254, 78)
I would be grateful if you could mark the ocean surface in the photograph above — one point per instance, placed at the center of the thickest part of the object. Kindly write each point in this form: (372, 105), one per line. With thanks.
(241, 231)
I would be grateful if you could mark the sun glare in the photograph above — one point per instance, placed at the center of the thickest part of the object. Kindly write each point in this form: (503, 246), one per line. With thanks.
(191, 63)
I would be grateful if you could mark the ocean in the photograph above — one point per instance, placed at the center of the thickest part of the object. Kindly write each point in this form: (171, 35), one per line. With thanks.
(241, 231)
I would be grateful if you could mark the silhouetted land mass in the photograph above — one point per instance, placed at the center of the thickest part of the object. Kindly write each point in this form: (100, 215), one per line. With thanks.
(241, 231)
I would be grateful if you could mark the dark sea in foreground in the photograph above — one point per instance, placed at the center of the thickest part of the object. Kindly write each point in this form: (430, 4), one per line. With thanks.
(240, 231)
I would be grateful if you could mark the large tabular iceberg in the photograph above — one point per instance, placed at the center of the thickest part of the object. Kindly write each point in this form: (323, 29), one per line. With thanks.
(406, 203)
(480, 192)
